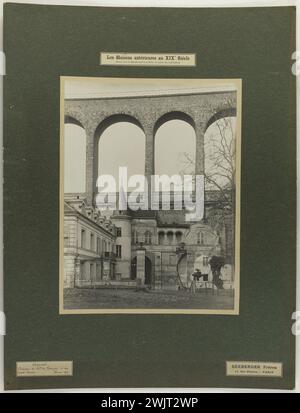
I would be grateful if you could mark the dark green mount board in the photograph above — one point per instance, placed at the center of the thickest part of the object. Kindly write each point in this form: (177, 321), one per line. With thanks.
(41, 44)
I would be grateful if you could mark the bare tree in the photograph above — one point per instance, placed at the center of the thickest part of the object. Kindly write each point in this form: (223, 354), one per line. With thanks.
(219, 173)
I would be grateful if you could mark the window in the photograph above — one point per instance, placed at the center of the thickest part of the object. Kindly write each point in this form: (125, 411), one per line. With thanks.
(119, 251)
(178, 237)
(82, 270)
(83, 238)
(148, 237)
(98, 245)
(66, 241)
(200, 238)
(119, 231)
(135, 237)
(92, 246)
(170, 237)
(98, 272)
(161, 237)
(92, 272)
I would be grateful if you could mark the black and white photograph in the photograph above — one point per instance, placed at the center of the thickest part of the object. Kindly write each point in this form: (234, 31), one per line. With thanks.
(150, 200)
(150, 195)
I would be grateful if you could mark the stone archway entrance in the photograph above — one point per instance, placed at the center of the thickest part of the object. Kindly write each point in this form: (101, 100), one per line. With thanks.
(148, 270)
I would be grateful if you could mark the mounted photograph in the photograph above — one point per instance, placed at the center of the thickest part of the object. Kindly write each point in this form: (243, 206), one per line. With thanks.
(150, 195)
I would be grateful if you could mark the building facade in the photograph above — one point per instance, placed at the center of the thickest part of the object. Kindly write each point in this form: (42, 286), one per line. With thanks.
(89, 245)
(158, 249)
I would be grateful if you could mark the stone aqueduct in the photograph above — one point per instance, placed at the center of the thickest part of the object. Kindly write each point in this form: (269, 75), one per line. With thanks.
(94, 115)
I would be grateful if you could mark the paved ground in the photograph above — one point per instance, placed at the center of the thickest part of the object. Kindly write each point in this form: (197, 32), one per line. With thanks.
(113, 298)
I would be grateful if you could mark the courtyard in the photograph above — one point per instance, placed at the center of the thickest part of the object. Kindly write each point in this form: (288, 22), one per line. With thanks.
(108, 298)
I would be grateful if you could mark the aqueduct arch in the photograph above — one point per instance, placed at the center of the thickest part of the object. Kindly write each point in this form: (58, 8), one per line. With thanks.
(69, 120)
(147, 111)
(161, 138)
(75, 142)
(225, 113)
(103, 125)
(174, 115)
